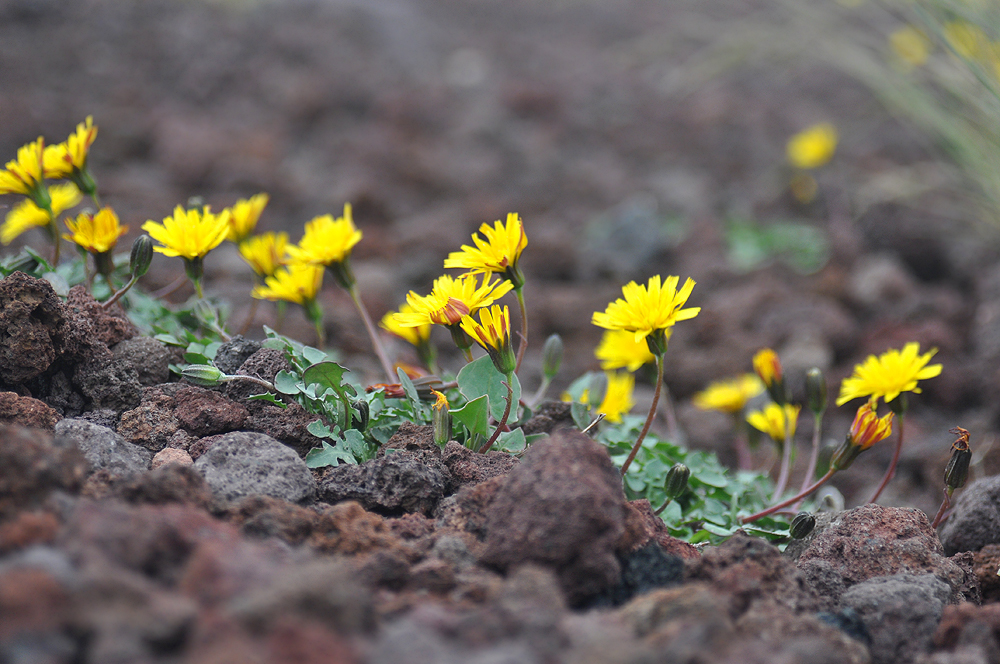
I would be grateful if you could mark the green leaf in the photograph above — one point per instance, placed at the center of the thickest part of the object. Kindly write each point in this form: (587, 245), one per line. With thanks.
(581, 415)
(480, 377)
(286, 383)
(197, 358)
(328, 455)
(408, 388)
(718, 530)
(327, 375)
(270, 398)
(474, 415)
(319, 429)
(511, 441)
(355, 442)
(672, 513)
(711, 478)
(313, 355)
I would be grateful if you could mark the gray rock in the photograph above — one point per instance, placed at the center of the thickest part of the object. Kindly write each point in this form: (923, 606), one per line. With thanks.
(112, 384)
(103, 448)
(399, 482)
(975, 521)
(150, 359)
(232, 354)
(901, 613)
(242, 463)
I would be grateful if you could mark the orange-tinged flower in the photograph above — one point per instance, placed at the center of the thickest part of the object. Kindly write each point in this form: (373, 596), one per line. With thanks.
(265, 253)
(729, 396)
(62, 159)
(96, 233)
(868, 428)
(451, 300)
(619, 349)
(492, 332)
(243, 217)
(326, 240)
(190, 234)
(24, 174)
(768, 366)
(649, 310)
(889, 374)
(498, 250)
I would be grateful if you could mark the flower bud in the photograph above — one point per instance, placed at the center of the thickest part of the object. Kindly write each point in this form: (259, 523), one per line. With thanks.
(816, 391)
(677, 480)
(802, 525)
(141, 257)
(203, 374)
(957, 471)
(364, 413)
(552, 354)
(768, 367)
(441, 419)
(597, 389)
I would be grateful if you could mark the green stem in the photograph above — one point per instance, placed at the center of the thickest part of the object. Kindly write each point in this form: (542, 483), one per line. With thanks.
(503, 420)
(786, 464)
(744, 459)
(114, 298)
(814, 454)
(649, 418)
(540, 393)
(891, 470)
(372, 333)
(794, 499)
(197, 288)
(523, 345)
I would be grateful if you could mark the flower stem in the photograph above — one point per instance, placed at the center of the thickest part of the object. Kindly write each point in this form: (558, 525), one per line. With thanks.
(945, 504)
(891, 470)
(372, 333)
(250, 316)
(786, 462)
(523, 345)
(744, 459)
(197, 288)
(814, 454)
(540, 393)
(503, 420)
(649, 418)
(114, 298)
(794, 499)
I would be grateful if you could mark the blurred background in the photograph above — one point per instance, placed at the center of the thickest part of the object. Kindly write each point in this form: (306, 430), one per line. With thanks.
(635, 138)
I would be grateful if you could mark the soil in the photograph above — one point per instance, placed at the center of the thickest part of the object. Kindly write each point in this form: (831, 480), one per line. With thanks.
(149, 520)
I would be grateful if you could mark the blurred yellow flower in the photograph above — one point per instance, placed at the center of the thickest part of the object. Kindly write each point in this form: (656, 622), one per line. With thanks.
(96, 233)
(62, 159)
(492, 332)
(889, 374)
(24, 174)
(617, 397)
(326, 240)
(296, 283)
(243, 217)
(966, 39)
(910, 46)
(648, 310)
(619, 349)
(812, 147)
(729, 396)
(452, 299)
(190, 234)
(27, 214)
(265, 253)
(415, 335)
(774, 420)
(497, 251)
(768, 366)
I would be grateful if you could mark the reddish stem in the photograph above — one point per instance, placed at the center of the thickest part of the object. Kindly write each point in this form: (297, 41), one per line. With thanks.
(785, 503)
(649, 418)
(891, 470)
(503, 420)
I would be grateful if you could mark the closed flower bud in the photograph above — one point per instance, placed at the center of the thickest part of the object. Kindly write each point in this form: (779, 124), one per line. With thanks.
(957, 471)
(816, 390)
(364, 413)
(677, 480)
(552, 354)
(441, 419)
(597, 389)
(802, 525)
(141, 257)
(203, 374)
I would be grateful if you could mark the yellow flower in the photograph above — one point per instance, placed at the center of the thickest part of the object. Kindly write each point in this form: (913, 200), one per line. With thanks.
(97, 233)
(296, 283)
(868, 428)
(768, 366)
(889, 374)
(910, 46)
(451, 300)
(24, 174)
(967, 40)
(492, 332)
(729, 396)
(190, 234)
(326, 240)
(497, 251)
(618, 396)
(243, 216)
(774, 419)
(27, 214)
(812, 147)
(618, 349)
(265, 253)
(648, 310)
(415, 335)
(62, 159)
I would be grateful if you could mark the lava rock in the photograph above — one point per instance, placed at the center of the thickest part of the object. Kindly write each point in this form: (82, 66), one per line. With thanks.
(32, 465)
(150, 425)
(243, 464)
(231, 355)
(150, 359)
(103, 448)
(26, 412)
(108, 383)
(203, 412)
(264, 364)
(400, 482)
(33, 327)
(469, 468)
(975, 519)
(289, 425)
(643, 570)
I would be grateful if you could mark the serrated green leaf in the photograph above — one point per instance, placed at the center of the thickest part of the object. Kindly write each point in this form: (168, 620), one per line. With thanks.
(328, 455)
(319, 429)
(268, 397)
(474, 415)
(286, 383)
(480, 377)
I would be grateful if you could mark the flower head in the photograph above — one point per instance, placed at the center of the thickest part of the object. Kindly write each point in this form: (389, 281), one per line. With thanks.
(617, 397)
(24, 174)
(866, 430)
(265, 253)
(415, 335)
(776, 420)
(492, 332)
(966, 39)
(497, 251)
(889, 374)
(63, 159)
(812, 147)
(451, 300)
(768, 367)
(27, 214)
(618, 349)
(910, 46)
(326, 240)
(729, 396)
(190, 234)
(243, 216)
(296, 283)
(96, 233)
(648, 310)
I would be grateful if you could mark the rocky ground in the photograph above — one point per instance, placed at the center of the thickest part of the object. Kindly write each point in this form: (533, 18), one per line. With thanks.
(135, 524)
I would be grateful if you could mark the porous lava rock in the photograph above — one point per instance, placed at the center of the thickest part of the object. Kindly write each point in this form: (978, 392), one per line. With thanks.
(289, 425)
(108, 326)
(243, 463)
(872, 541)
(150, 358)
(265, 364)
(26, 412)
(975, 519)
(468, 467)
(152, 424)
(563, 508)
(32, 465)
(231, 355)
(107, 383)
(33, 327)
(399, 482)
(103, 448)
(203, 412)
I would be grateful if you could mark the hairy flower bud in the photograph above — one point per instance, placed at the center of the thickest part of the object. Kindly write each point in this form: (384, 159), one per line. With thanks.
(802, 525)
(552, 354)
(957, 471)
(141, 257)
(816, 390)
(597, 389)
(677, 480)
(203, 374)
